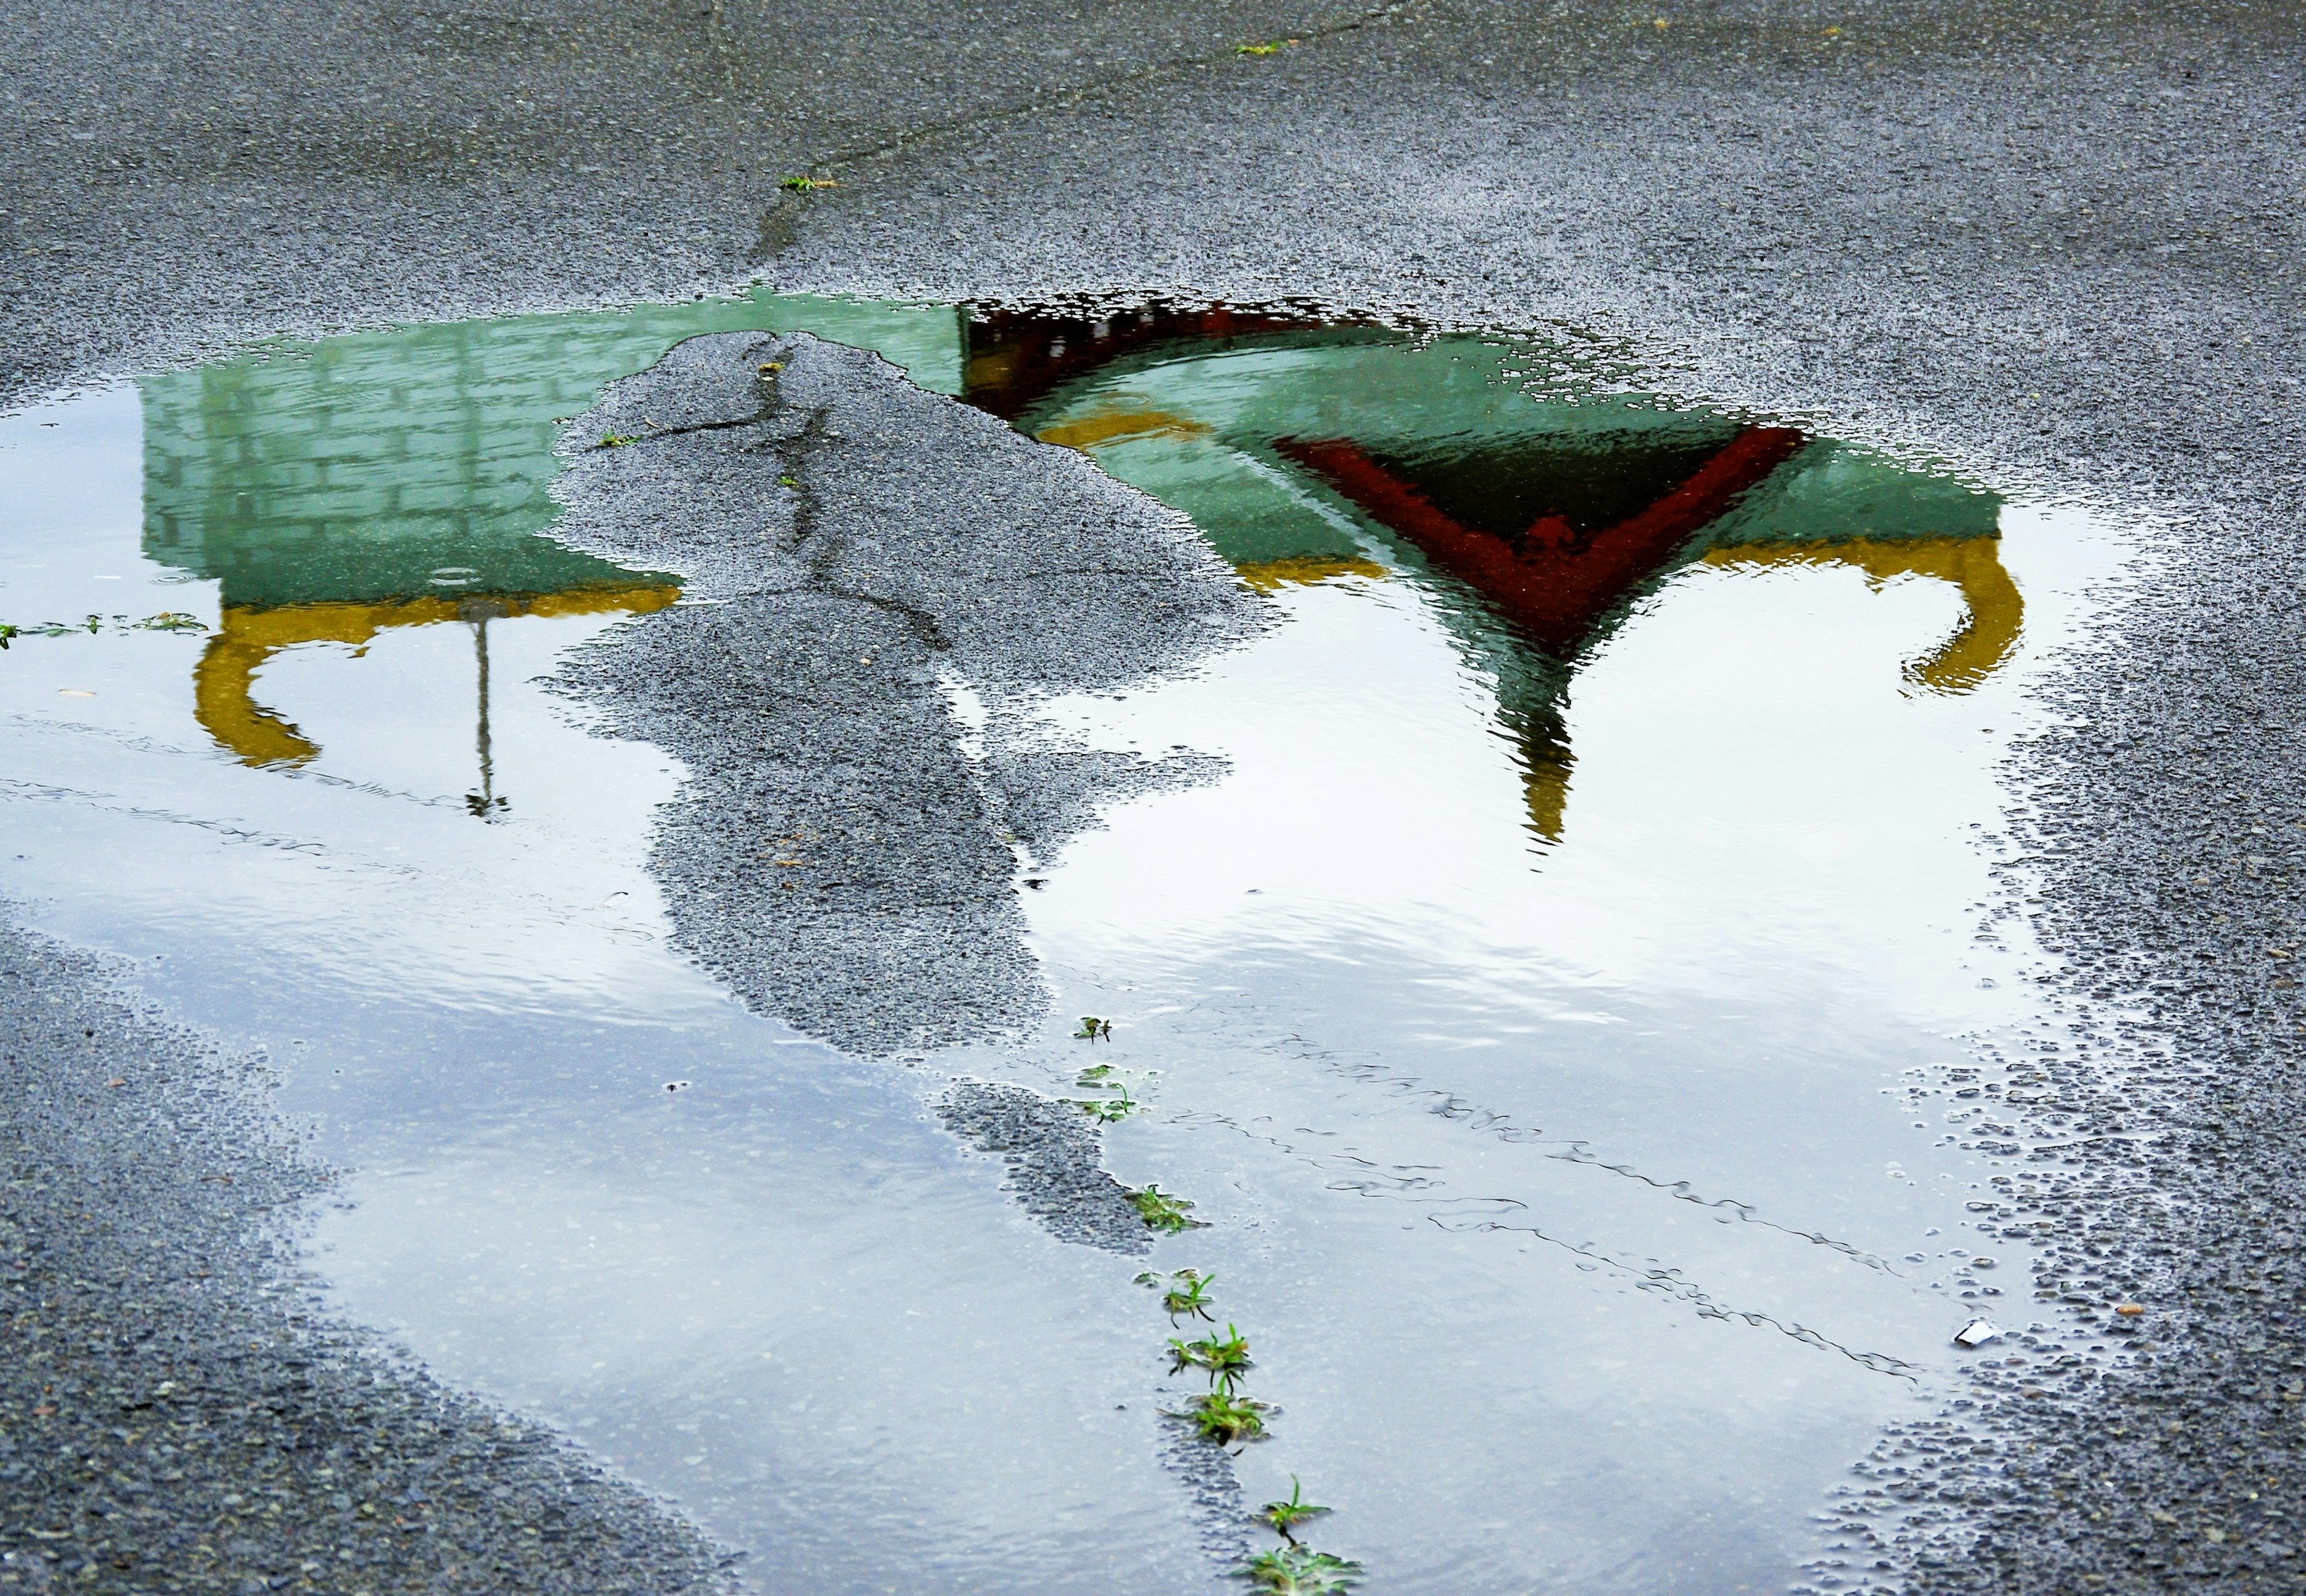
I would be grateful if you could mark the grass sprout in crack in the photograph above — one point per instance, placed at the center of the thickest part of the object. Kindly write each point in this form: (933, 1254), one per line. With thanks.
(1185, 1295)
(1107, 1111)
(1300, 1571)
(1222, 1356)
(1285, 1517)
(1161, 1210)
(1223, 1415)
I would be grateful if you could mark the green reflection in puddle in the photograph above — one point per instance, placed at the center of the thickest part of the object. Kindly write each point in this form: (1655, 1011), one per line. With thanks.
(1309, 454)
(402, 478)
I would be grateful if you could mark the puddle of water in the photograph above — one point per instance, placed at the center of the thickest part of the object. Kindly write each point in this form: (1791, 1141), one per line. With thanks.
(1532, 1008)
(1309, 454)
(1595, 878)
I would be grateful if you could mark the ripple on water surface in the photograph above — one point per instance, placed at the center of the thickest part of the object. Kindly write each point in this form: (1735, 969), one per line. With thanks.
(1536, 1008)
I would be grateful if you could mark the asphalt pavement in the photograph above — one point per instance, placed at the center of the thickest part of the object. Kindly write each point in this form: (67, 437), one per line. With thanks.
(2056, 245)
(174, 1415)
(904, 545)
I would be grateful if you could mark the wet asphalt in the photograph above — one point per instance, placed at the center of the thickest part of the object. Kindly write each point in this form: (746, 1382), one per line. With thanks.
(856, 551)
(2056, 245)
(175, 1416)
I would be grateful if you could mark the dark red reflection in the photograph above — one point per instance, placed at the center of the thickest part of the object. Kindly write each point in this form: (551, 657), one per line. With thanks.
(1016, 357)
(1557, 578)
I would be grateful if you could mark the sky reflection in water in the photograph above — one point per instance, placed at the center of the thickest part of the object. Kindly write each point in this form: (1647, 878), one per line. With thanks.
(1531, 1009)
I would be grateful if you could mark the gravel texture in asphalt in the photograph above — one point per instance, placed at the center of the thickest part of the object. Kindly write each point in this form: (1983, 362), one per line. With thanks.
(192, 174)
(173, 1417)
(1052, 1152)
(866, 562)
(2137, 1429)
(2056, 243)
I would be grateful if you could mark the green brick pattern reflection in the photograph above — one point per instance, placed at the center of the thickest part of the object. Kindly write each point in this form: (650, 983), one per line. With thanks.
(394, 465)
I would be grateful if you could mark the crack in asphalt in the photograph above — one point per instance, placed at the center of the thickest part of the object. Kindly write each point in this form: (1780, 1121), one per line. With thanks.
(903, 931)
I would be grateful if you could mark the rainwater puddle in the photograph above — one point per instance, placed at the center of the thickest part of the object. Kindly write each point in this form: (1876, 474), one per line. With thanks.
(1543, 1010)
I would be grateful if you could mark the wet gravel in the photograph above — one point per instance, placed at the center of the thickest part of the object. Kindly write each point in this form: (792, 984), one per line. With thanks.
(2056, 243)
(190, 176)
(2138, 1428)
(173, 1415)
(1052, 1155)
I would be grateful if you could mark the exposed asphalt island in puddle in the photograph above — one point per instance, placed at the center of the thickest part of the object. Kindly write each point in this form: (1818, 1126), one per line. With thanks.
(852, 545)
(2059, 243)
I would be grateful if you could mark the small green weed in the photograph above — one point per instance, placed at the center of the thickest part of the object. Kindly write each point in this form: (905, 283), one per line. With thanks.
(802, 183)
(167, 620)
(1267, 48)
(1095, 1075)
(1299, 1570)
(1162, 1211)
(1092, 1028)
(1224, 1416)
(1188, 1295)
(788, 481)
(1107, 1111)
(1223, 1357)
(1285, 1515)
(616, 441)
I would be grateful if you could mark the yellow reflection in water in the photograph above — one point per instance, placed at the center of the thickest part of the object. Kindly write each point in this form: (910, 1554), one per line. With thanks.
(1546, 765)
(1269, 576)
(223, 681)
(1111, 428)
(1972, 565)
(1988, 636)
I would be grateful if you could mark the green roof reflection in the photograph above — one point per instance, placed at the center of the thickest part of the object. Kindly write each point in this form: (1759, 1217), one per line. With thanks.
(402, 478)
(392, 464)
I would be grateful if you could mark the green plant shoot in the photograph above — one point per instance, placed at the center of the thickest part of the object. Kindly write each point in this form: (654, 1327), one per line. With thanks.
(1162, 1211)
(1188, 1295)
(1285, 1517)
(1223, 1357)
(1224, 1417)
(1299, 1570)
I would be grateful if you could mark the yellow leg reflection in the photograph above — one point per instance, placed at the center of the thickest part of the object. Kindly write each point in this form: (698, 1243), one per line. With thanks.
(1986, 639)
(1997, 612)
(223, 681)
(1546, 765)
(1270, 576)
(1089, 432)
